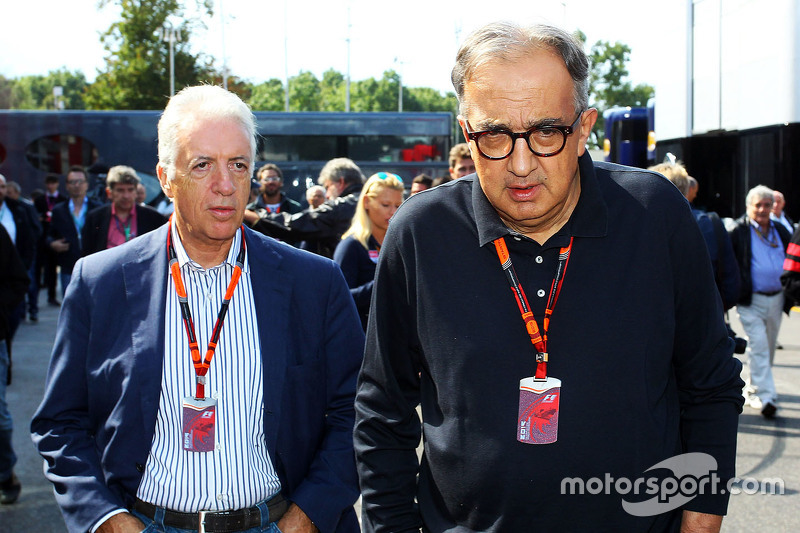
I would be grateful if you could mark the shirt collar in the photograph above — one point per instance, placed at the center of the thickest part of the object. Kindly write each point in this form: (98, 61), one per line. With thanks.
(588, 219)
(184, 259)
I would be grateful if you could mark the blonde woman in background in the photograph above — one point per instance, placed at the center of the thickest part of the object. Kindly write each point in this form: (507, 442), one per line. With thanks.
(357, 254)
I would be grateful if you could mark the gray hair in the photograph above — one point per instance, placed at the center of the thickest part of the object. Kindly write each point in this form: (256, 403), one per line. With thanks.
(121, 174)
(508, 41)
(200, 102)
(341, 168)
(757, 193)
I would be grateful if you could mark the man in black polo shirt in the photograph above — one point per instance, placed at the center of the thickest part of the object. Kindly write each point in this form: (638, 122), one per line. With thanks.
(544, 408)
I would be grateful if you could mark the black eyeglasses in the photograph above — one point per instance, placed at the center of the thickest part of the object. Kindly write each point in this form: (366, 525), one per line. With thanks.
(544, 141)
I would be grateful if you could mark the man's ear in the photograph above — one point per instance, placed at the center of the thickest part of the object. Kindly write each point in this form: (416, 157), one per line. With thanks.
(587, 123)
(166, 186)
(463, 123)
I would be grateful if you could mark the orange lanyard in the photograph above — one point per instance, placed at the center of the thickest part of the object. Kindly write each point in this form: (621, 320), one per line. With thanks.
(538, 337)
(201, 366)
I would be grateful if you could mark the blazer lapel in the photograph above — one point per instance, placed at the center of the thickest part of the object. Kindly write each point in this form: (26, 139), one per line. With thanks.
(145, 293)
(271, 294)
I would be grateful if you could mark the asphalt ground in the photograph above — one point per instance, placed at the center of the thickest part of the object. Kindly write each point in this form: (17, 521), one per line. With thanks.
(768, 457)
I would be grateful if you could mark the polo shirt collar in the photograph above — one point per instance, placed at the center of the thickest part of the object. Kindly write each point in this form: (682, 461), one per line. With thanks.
(588, 219)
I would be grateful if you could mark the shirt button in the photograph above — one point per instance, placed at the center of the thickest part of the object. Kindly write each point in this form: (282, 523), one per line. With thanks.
(517, 238)
(218, 447)
(539, 259)
(215, 395)
(222, 497)
(540, 293)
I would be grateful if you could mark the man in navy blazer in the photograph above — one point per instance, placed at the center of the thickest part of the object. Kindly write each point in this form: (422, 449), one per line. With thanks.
(103, 426)
(66, 222)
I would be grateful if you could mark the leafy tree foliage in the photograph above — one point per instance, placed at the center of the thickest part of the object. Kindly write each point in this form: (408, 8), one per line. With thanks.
(36, 92)
(608, 83)
(268, 96)
(304, 92)
(137, 73)
(333, 91)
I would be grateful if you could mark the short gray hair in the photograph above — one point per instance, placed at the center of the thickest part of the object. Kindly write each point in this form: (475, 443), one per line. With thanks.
(507, 41)
(757, 193)
(200, 102)
(341, 168)
(121, 174)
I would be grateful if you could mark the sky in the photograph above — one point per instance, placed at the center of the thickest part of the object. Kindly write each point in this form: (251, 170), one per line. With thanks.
(267, 39)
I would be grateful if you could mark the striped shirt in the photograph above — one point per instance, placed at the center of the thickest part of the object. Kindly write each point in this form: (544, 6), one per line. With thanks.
(239, 473)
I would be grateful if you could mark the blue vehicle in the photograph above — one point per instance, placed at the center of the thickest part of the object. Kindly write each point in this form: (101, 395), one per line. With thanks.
(627, 135)
(35, 143)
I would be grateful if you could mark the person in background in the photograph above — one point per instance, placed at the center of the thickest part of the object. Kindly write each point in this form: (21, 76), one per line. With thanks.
(45, 259)
(619, 306)
(358, 252)
(13, 285)
(67, 223)
(441, 179)
(315, 196)
(691, 192)
(22, 226)
(420, 183)
(461, 163)
(15, 193)
(718, 242)
(321, 229)
(271, 198)
(121, 220)
(760, 246)
(778, 212)
(138, 434)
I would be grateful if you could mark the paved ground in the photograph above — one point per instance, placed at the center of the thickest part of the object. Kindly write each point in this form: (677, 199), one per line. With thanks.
(768, 450)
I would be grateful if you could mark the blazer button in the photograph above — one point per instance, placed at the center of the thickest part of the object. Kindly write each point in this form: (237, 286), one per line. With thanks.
(139, 468)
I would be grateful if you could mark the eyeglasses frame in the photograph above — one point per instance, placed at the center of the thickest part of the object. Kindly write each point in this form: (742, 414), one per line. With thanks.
(566, 131)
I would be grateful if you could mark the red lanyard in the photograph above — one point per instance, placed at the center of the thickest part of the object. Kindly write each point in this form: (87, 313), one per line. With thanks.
(201, 366)
(539, 339)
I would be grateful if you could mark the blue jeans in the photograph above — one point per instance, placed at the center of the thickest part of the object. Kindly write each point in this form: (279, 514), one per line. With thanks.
(7, 456)
(156, 524)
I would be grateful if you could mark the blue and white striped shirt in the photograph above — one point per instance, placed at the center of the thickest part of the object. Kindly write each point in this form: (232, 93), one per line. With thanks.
(239, 473)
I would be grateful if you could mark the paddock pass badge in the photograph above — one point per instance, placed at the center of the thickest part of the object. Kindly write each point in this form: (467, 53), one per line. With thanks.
(199, 424)
(538, 410)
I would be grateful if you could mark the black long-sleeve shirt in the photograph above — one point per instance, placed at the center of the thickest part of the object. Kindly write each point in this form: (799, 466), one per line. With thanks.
(636, 337)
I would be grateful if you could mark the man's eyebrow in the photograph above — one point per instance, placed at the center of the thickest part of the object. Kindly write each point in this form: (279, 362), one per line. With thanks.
(543, 123)
(493, 125)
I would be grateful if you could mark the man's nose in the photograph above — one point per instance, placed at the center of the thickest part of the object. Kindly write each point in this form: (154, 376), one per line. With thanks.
(522, 161)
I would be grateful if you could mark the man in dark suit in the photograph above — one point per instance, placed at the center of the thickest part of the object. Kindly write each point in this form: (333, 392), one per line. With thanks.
(68, 220)
(122, 219)
(13, 283)
(136, 428)
(24, 231)
(45, 260)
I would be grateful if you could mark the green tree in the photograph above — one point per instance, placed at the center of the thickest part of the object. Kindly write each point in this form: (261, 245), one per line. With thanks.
(6, 86)
(36, 92)
(332, 91)
(304, 92)
(137, 73)
(608, 83)
(376, 95)
(268, 96)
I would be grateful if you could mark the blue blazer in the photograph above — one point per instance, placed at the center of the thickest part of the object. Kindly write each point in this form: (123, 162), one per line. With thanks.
(97, 418)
